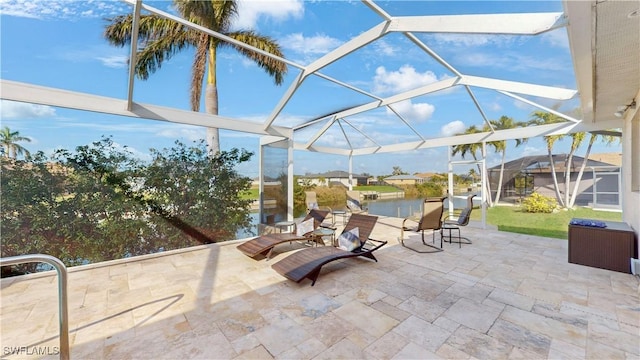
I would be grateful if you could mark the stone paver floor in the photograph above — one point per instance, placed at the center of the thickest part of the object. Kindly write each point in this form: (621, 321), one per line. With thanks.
(506, 296)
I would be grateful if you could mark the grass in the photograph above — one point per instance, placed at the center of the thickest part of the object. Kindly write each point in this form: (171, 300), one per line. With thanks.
(513, 219)
(378, 188)
(252, 194)
(555, 225)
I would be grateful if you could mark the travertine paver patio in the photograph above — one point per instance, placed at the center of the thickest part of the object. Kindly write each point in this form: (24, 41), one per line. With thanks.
(506, 296)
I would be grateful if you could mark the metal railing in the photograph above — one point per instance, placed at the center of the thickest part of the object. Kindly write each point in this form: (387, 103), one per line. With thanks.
(62, 292)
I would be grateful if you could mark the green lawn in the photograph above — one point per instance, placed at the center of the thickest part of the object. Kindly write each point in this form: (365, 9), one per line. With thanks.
(252, 194)
(382, 189)
(555, 225)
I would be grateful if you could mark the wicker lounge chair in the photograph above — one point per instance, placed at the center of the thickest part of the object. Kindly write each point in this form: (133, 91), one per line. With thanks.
(311, 201)
(264, 244)
(307, 263)
(462, 219)
(353, 203)
(431, 219)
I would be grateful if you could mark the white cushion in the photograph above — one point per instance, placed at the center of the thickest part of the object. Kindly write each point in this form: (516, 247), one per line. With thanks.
(350, 240)
(305, 227)
(353, 205)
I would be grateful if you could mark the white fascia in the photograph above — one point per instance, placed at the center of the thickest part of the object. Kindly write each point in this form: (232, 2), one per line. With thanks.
(581, 43)
(509, 24)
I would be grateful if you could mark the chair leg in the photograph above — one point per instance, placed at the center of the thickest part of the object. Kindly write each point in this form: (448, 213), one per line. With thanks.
(401, 241)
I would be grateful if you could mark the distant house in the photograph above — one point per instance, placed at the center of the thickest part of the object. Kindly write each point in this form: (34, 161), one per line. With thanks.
(336, 177)
(426, 176)
(599, 186)
(404, 180)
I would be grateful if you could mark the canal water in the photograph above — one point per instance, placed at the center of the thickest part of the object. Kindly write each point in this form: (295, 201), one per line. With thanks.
(400, 208)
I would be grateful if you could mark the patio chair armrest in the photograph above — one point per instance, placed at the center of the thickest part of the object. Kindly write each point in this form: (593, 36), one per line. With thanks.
(404, 226)
(380, 244)
(331, 226)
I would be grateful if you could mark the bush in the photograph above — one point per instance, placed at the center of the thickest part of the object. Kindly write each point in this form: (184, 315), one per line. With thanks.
(101, 203)
(536, 203)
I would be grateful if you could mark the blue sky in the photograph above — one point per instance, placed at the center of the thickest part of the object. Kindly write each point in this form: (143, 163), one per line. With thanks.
(60, 44)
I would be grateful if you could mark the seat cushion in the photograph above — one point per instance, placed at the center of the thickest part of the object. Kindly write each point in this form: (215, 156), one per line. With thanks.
(305, 227)
(350, 240)
(353, 205)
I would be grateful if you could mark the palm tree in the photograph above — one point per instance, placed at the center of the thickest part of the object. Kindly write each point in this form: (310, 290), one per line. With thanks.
(472, 149)
(500, 146)
(576, 141)
(541, 118)
(473, 174)
(162, 38)
(608, 139)
(9, 141)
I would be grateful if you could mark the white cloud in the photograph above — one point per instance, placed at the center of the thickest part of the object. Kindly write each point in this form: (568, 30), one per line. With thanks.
(144, 156)
(510, 61)
(467, 40)
(250, 11)
(188, 133)
(62, 9)
(318, 44)
(557, 38)
(384, 48)
(18, 110)
(114, 61)
(494, 106)
(406, 78)
(453, 128)
(523, 105)
(419, 112)
(532, 150)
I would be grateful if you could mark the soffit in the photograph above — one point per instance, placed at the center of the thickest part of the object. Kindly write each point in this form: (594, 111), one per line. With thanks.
(605, 45)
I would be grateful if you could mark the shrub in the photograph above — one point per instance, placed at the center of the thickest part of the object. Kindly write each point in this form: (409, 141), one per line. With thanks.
(536, 203)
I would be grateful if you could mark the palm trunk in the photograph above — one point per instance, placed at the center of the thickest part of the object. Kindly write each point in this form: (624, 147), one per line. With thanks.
(499, 190)
(211, 103)
(555, 178)
(576, 187)
(567, 178)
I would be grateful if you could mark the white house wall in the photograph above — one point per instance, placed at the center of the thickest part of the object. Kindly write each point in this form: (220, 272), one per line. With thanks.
(631, 172)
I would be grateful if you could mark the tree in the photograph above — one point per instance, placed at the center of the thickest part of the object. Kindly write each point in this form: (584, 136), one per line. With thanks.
(10, 146)
(100, 203)
(576, 141)
(473, 175)
(500, 146)
(162, 38)
(397, 171)
(542, 118)
(465, 149)
(608, 139)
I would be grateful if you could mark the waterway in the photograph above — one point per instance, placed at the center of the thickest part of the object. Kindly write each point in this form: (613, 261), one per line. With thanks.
(400, 208)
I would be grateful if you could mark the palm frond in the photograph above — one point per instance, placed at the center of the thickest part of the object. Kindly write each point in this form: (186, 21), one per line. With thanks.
(213, 14)
(275, 68)
(198, 70)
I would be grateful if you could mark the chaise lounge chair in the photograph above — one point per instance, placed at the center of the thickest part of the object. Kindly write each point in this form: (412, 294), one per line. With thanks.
(431, 219)
(307, 263)
(264, 244)
(311, 201)
(353, 203)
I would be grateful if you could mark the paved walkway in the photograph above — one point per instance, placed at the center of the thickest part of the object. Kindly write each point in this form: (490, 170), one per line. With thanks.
(506, 296)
